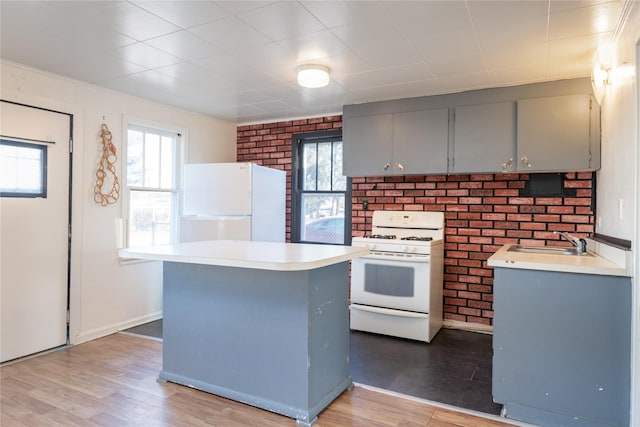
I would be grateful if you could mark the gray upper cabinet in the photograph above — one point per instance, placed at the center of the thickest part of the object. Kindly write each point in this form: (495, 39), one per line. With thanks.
(405, 143)
(540, 127)
(420, 141)
(367, 145)
(558, 133)
(484, 138)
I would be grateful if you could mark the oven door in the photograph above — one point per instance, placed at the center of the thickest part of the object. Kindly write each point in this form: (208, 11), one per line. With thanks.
(399, 283)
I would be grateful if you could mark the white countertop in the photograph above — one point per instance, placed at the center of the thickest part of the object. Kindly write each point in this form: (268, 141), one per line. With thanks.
(585, 264)
(249, 254)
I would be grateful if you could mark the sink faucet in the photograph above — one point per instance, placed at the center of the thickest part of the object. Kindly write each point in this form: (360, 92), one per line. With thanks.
(580, 244)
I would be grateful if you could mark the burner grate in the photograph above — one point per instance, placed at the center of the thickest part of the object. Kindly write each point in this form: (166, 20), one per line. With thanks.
(416, 238)
(381, 236)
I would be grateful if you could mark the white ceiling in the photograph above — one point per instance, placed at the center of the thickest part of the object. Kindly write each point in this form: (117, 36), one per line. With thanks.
(237, 60)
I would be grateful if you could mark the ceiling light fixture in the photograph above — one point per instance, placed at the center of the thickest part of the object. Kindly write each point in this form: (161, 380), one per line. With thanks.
(313, 75)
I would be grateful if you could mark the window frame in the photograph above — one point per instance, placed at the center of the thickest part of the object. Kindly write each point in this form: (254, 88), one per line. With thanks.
(43, 169)
(297, 142)
(180, 135)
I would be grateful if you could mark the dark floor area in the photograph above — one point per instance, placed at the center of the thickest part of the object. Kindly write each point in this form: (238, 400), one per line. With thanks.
(455, 368)
(151, 329)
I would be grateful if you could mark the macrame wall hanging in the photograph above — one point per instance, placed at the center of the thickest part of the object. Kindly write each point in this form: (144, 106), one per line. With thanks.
(107, 164)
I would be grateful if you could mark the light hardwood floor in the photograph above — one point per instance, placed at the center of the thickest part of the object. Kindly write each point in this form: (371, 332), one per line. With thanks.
(112, 382)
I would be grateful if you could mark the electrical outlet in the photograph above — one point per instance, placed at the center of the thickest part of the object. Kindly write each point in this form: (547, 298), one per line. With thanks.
(365, 205)
(620, 209)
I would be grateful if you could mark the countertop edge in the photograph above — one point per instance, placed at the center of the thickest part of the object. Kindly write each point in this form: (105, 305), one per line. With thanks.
(276, 265)
(595, 264)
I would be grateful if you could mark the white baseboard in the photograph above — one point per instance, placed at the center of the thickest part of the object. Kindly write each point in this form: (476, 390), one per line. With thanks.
(140, 320)
(465, 326)
(112, 329)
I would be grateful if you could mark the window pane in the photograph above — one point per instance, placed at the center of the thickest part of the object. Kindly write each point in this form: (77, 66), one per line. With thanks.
(152, 164)
(322, 218)
(310, 157)
(152, 160)
(324, 166)
(134, 158)
(150, 218)
(166, 163)
(339, 180)
(22, 167)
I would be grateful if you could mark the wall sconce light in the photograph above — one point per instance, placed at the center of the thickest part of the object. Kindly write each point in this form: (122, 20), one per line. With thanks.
(604, 74)
(621, 72)
(313, 76)
(599, 80)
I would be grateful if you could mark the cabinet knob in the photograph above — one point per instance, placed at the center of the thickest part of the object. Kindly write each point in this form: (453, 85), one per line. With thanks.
(526, 161)
(386, 166)
(506, 165)
(399, 166)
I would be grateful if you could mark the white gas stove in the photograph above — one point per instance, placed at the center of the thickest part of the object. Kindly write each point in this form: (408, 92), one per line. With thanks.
(397, 289)
(402, 232)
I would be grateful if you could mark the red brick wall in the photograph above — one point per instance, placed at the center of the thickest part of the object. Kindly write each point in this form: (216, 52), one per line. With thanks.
(269, 144)
(483, 211)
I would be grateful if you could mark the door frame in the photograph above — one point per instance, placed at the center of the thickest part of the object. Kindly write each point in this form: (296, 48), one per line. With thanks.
(635, 292)
(69, 199)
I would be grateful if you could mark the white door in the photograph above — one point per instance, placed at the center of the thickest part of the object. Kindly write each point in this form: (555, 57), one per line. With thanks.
(34, 239)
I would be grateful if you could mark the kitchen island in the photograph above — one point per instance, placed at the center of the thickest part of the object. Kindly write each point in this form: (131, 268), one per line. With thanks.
(262, 323)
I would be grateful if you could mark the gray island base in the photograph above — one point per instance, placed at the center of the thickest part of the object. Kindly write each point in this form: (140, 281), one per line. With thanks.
(277, 340)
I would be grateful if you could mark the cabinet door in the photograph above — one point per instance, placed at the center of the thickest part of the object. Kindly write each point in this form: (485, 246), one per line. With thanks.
(484, 138)
(367, 145)
(554, 133)
(420, 142)
(562, 333)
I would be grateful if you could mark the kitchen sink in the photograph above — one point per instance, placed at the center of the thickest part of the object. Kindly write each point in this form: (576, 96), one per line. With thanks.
(550, 250)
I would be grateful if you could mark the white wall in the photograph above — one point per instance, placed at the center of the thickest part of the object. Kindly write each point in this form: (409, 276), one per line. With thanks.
(615, 179)
(105, 295)
(618, 178)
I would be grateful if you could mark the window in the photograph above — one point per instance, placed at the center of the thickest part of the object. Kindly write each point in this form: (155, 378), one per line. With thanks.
(321, 207)
(23, 169)
(153, 162)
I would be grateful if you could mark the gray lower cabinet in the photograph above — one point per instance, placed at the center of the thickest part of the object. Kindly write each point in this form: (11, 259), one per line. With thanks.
(405, 143)
(558, 133)
(562, 347)
(484, 138)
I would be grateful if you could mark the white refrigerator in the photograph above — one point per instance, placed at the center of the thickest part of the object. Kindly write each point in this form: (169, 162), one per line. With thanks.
(233, 201)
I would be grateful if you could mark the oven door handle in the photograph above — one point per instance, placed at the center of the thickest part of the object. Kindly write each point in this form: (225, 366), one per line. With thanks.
(394, 258)
(388, 311)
